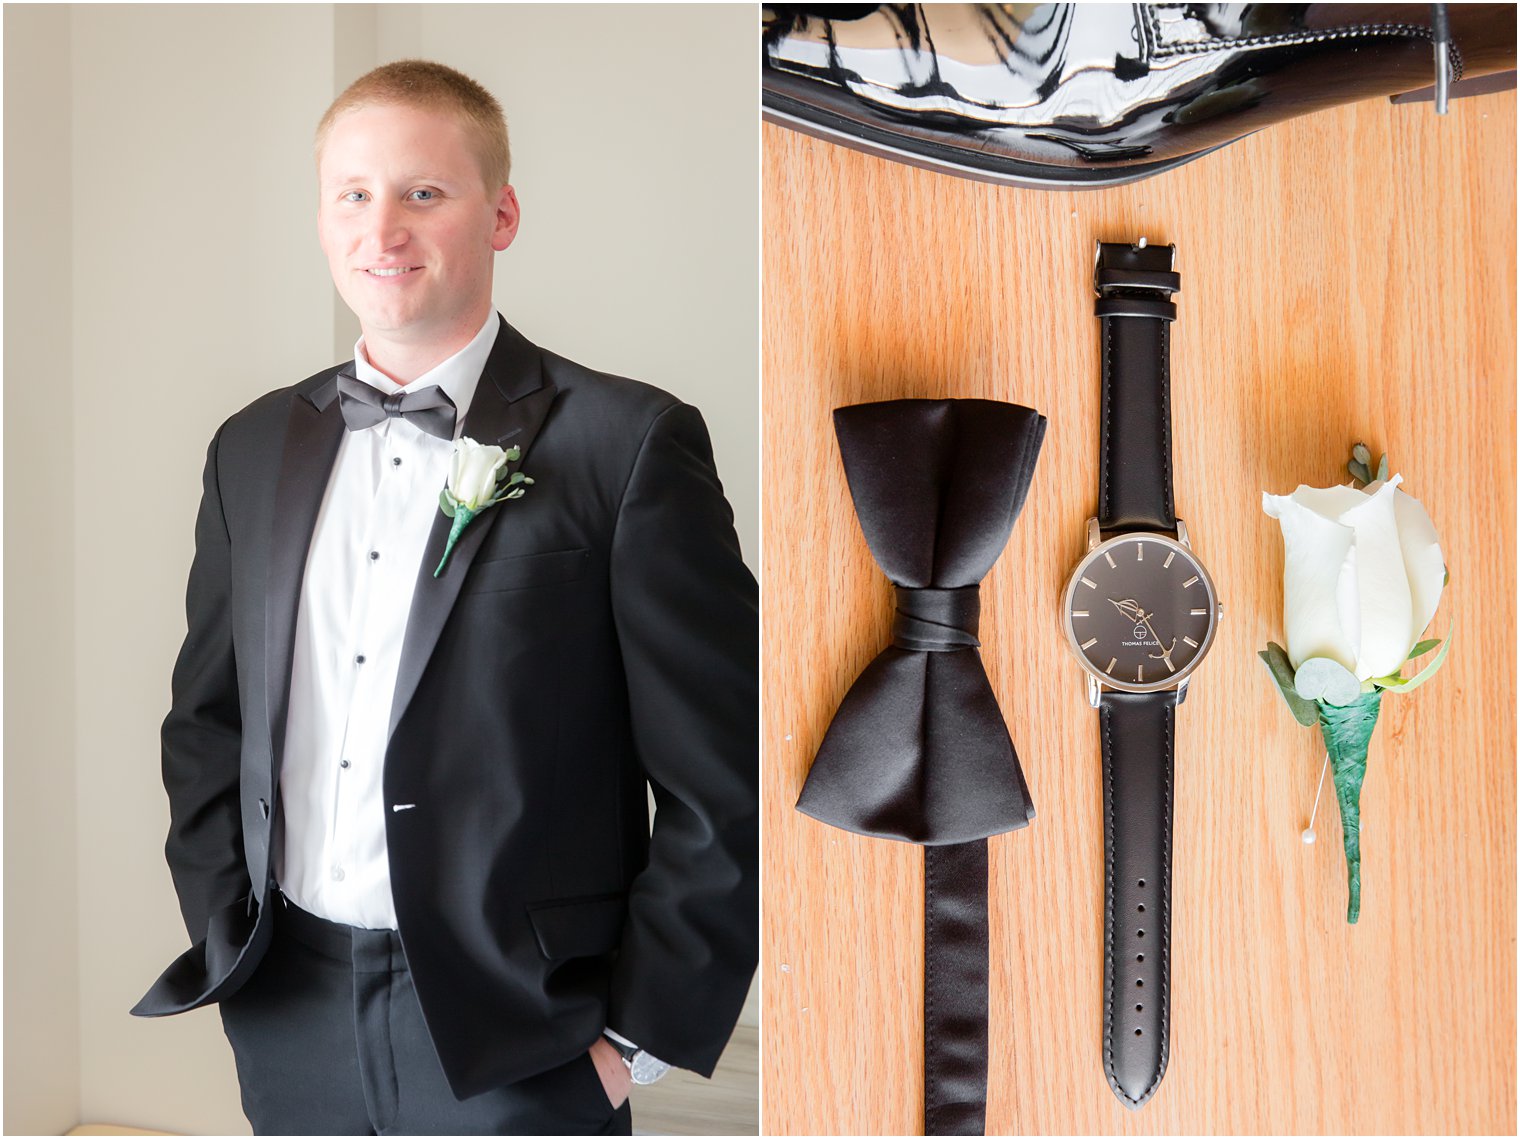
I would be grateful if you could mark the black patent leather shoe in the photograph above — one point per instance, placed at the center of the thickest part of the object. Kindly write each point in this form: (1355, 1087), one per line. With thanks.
(1073, 95)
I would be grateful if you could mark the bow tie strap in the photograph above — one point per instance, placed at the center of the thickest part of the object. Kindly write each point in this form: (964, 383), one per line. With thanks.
(937, 620)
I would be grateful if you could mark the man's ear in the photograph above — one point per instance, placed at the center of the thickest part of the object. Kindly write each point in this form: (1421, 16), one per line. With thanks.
(508, 214)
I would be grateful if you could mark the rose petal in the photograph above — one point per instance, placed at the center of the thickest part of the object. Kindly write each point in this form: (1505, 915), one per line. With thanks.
(1315, 550)
(1382, 587)
(1329, 502)
(472, 475)
(1424, 563)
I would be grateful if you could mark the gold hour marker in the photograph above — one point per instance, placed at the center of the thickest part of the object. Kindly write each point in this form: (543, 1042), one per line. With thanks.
(1198, 612)
(1190, 581)
(1189, 641)
(1139, 551)
(1109, 558)
(1089, 584)
(1140, 674)
(1168, 662)
(1168, 563)
(1111, 664)
(1089, 644)
(1079, 612)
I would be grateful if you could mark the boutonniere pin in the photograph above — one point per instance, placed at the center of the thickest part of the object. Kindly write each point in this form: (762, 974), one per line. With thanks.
(1362, 576)
(478, 480)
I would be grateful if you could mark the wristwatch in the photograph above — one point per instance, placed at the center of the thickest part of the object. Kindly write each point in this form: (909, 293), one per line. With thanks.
(643, 1068)
(1140, 612)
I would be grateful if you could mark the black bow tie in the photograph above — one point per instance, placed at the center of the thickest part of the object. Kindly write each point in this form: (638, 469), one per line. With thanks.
(428, 409)
(918, 750)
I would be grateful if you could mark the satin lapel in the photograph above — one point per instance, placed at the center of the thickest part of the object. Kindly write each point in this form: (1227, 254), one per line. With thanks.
(312, 436)
(510, 403)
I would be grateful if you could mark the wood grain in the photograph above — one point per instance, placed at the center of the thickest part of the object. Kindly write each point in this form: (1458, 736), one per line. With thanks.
(1346, 276)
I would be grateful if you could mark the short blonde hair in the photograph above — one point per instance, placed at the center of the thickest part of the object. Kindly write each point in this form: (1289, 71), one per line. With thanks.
(428, 86)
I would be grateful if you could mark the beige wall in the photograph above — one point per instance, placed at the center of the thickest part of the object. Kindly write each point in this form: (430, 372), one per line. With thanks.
(161, 272)
(42, 960)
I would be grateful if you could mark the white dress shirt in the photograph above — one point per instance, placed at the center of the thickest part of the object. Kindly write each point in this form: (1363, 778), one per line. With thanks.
(361, 570)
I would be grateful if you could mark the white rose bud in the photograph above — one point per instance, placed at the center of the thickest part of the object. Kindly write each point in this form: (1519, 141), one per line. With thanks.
(1362, 574)
(472, 473)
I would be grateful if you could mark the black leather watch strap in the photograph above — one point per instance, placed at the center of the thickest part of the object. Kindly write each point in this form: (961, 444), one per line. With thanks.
(1137, 839)
(1135, 310)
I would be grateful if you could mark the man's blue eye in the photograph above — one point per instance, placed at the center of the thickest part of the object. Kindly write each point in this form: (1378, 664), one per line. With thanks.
(427, 192)
(352, 195)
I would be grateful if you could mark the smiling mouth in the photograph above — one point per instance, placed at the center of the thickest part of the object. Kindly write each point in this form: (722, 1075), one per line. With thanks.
(396, 272)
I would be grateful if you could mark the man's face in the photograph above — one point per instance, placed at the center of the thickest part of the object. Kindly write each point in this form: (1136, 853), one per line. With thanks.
(401, 190)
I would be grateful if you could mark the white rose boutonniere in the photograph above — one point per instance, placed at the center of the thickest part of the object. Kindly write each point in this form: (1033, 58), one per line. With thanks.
(1362, 576)
(478, 479)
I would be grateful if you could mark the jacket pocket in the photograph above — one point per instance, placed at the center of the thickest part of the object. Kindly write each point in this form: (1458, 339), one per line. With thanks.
(578, 927)
(526, 570)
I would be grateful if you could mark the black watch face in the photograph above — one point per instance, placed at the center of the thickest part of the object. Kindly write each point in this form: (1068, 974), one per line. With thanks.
(1141, 612)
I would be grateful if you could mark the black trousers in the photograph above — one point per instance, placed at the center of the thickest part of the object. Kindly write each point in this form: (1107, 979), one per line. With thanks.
(329, 1040)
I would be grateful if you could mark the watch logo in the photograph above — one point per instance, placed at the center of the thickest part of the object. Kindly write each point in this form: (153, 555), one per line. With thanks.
(1139, 632)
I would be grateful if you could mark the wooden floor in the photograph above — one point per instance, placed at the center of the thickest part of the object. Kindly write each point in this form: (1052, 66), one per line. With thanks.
(1347, 276)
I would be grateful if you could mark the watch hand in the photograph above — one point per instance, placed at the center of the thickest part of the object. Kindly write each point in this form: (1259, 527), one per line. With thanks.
(1166, 653)
(1128, 609)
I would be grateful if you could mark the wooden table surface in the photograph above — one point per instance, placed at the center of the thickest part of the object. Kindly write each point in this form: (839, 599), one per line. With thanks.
(1346, 276)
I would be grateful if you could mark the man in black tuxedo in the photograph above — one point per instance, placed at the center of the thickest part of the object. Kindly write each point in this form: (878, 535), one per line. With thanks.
(407, 773)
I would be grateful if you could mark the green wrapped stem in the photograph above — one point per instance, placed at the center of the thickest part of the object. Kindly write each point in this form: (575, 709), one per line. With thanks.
(463, 515)
(1348, 733)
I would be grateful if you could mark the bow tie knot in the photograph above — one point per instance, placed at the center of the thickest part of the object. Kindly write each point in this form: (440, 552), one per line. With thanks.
(937, 620)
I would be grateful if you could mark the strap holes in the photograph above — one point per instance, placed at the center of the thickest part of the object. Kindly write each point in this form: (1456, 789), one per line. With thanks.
(1142, 883)
(1139, 984)
(1140, 908)
(1139, 1008)
(1139, 933)
(1139, 957)
(1139, 1033)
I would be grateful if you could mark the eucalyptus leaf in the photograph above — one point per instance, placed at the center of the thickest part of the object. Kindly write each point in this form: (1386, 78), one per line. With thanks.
(1324, 680)
(1361, 454)
(1383, 469)
(518, 493)
(1275, 657)
(1359, 471)
(517, 477)
(513, 453)
(446, 502)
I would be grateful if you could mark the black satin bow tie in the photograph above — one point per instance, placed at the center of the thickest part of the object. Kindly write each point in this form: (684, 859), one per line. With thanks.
(428, 409)
(918, 749)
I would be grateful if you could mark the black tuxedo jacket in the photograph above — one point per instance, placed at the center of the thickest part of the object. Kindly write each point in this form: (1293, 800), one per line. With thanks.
(596, 633)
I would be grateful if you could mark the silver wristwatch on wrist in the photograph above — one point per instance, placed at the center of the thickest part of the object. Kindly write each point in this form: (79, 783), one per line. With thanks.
(643, 1069)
